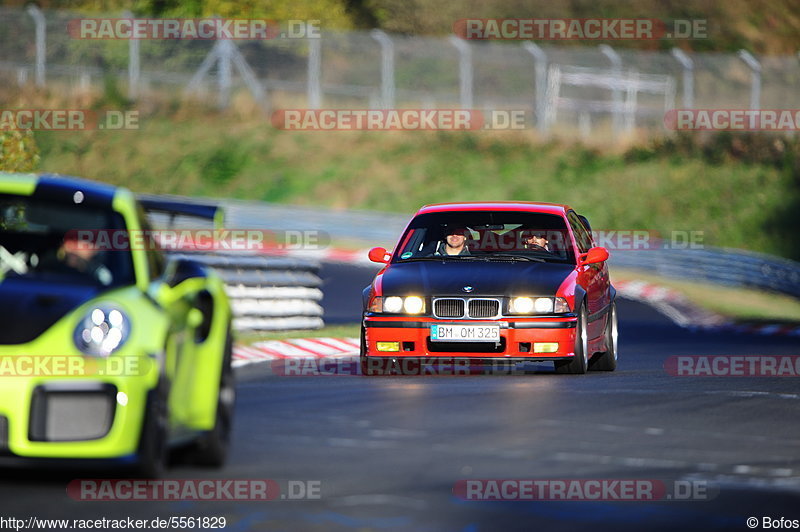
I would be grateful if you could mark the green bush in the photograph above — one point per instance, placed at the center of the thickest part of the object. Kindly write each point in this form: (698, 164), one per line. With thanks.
(18, 151)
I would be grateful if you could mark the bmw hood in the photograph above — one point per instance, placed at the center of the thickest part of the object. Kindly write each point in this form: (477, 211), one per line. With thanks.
(443, 278)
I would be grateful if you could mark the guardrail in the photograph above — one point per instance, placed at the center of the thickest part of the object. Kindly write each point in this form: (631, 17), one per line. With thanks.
(731, 267)
(267, 293)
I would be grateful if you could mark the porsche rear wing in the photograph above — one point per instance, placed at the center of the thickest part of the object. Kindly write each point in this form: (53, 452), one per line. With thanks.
(179, 207)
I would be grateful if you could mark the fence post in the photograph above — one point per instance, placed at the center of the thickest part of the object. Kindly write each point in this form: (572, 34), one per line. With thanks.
(387, 67)
(540, 57)
(224, 73)
(616, 66)
(755, 81)
(134, 68)
(315, 73)
(688, 76)
(41, 45)
(464, 70)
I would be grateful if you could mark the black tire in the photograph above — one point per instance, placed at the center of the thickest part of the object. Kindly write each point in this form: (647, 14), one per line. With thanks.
(211, 450)
(579, 363)
(153, 449)
(608, 361)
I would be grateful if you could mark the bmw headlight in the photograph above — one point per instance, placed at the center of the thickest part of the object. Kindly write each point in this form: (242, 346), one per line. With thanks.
(538, 305)
(393, 304)
(413, 305)
(102, 331)
(398, 305)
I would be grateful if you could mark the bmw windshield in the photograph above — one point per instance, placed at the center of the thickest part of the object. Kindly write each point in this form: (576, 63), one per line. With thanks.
(486, 235)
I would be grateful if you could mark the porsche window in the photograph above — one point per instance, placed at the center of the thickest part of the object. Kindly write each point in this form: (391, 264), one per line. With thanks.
(62, 242)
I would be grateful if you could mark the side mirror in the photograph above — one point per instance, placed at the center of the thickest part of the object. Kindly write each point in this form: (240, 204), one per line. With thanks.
(594, 255)
(181, 269)
(379, 255)
(194, 318)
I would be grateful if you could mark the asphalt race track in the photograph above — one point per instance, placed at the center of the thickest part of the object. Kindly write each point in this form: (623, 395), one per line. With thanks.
(389, 450)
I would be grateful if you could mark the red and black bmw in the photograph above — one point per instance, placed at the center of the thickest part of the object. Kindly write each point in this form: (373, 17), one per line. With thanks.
(485, 282)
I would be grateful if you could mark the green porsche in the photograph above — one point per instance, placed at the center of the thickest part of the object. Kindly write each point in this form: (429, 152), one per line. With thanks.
(107, 352)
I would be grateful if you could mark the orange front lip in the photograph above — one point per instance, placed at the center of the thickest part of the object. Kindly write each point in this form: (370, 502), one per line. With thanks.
(413, 333)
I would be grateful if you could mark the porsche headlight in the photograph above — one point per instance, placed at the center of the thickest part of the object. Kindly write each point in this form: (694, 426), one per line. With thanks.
(398, 305)
(102, 331)
(538, 305)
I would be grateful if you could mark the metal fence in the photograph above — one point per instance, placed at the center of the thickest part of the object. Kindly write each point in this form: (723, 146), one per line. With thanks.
(268, 293)
(599, 91)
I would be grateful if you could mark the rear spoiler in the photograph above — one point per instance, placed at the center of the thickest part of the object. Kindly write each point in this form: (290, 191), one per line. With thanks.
(179, 207)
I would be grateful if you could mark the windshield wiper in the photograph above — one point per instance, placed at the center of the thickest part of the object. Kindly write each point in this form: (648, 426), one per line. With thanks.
(443, 257)
(506, 256)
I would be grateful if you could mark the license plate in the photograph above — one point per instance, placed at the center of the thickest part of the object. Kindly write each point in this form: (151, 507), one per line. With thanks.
(465, 333)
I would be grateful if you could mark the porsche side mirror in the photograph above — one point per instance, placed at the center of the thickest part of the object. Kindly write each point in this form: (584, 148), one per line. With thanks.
(181, 269)
(379, 255)
(195, 318)
(594, 255)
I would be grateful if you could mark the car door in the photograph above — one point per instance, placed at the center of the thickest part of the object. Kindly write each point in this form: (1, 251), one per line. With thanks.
(177, 304)
(592, 277)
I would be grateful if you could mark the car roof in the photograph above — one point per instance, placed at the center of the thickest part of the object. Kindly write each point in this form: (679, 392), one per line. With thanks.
(57, 187)
(528, 206)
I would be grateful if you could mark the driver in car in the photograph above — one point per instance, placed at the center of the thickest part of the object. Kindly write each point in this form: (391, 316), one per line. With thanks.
(455, 242)
(536, 241)
(83, 258)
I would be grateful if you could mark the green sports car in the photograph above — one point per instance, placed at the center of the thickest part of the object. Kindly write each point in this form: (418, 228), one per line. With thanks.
(106, 352)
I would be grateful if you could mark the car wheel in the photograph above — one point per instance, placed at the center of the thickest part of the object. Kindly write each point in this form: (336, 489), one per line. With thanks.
(580, 361)
(608, 361)
(152, 454)
(212, 447)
